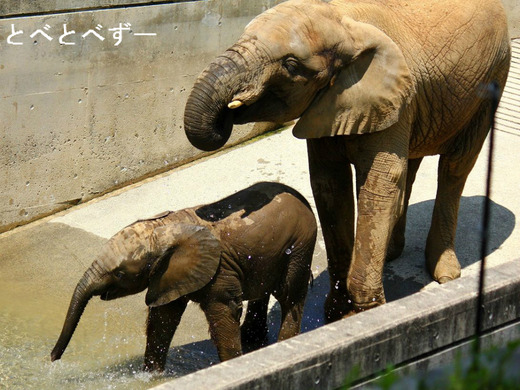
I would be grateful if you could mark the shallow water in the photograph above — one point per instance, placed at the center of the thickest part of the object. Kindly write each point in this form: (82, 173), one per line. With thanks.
(29, 331)
(106, 351)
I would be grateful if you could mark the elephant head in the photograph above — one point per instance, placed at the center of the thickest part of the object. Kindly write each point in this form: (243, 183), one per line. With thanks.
(303, 59)
(172, 260)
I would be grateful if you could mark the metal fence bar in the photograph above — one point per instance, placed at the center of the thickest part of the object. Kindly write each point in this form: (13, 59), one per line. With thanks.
(493, 92)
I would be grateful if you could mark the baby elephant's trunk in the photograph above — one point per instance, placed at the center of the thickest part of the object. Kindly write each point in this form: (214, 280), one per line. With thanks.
(86, 288)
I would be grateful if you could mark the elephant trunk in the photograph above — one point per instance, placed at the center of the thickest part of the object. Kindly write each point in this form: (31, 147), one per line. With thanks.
(89, 285)
(208, 120)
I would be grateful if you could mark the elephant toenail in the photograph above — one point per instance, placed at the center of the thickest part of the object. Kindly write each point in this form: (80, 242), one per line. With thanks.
(444, 279)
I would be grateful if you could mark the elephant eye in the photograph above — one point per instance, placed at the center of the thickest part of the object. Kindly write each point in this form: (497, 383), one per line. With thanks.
(291, 65)
(120, 275)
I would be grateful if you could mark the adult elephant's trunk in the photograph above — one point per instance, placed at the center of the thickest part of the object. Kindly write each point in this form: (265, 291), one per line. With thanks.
(89, 285)
(207, 119)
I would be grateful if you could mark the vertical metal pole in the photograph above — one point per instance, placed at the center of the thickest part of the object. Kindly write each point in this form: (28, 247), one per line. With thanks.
(494, 94)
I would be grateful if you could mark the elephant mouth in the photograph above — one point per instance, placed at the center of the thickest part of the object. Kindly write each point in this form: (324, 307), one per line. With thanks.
(108, 295)
(268, 108)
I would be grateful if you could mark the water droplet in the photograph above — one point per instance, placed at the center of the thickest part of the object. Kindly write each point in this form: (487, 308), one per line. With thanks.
(376, 357)
(27, 183)
(249, 257)
(373, 299)
(80, 101)
(288, 251)
(490, 316)
(32, 107)
(317, 380)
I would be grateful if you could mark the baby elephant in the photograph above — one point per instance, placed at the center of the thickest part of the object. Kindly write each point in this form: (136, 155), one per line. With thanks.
(247, 246)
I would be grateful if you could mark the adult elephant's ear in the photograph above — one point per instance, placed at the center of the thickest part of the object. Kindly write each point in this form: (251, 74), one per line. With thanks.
(369, 91)
(188, 258)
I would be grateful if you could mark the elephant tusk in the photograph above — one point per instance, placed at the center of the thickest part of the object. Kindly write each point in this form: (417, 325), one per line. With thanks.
(234, 104)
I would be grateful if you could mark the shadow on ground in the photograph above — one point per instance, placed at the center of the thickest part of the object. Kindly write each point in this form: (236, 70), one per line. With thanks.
(408, 275)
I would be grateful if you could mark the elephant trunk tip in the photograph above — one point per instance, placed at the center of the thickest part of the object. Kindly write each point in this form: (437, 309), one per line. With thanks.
(208, 134)
(56, 353)
(209, 116)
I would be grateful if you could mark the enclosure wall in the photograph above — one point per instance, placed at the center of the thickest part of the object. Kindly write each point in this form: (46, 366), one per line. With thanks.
(88, 104)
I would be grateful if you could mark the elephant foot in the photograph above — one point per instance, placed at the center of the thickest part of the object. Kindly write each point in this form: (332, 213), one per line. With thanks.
(444, 268)
(337, 305)
(358, 308)
(365, 298)
(153, 366)
(444, 279)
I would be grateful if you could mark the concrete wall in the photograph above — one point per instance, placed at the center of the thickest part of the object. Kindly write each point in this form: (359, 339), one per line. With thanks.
(12, 8)
(512, 8)
(80, 120)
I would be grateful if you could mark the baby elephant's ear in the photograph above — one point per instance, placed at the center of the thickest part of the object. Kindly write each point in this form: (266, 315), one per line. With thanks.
(189, 258)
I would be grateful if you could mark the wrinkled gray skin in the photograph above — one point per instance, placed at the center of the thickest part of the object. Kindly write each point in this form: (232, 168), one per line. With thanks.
(378, 84)
(247, 246)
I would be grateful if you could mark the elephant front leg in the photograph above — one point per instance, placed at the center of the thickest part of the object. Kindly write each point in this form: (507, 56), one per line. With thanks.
(381, 177)
(332, 187)
(224, 327)
(161, 326)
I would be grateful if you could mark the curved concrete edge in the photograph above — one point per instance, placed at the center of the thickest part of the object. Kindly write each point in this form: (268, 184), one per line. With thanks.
(398, 333)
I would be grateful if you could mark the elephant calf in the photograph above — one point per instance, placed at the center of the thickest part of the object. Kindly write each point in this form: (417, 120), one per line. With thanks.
(247, 246)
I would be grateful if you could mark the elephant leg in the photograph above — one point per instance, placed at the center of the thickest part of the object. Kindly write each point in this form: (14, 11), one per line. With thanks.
(292, 314)
(397, 239)
(332, 187)
(254, 329)
(224, 326)
(161, 326)
(454, 168)
(381, 161)
(294, 291)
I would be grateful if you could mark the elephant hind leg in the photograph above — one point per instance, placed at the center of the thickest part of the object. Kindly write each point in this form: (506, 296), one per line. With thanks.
(454, 168)
(254, 329)
(397, 239)
(294, 290)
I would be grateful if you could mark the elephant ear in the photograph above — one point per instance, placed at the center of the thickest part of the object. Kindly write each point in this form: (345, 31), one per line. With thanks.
(189, 257)
(368, 94)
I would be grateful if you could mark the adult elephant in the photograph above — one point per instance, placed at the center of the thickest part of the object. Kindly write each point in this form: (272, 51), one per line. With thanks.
(378, 84)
